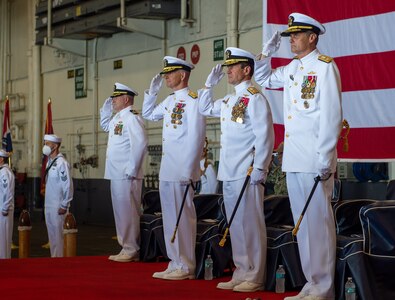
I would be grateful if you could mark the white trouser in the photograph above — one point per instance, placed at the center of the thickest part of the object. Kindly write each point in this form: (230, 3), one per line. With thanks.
(6, 225)
(316, 236)
(247, 231)
(182, 251)
(54, 223)
(126, 204)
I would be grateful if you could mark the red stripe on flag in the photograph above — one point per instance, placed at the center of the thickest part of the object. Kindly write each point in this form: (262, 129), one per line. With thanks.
(372, 76)
(371, 64)
(278, 134)
(363, 143)
(323, 11)
(369, 143)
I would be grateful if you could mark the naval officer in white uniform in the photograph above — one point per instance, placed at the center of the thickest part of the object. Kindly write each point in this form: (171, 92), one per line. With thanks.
(313, 121)
(126, 149)
(7, 188)
(246, 124)
(58, 192)
(208, 178)
(184, 130)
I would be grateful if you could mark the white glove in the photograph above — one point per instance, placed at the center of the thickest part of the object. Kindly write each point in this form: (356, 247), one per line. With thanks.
(215, 76)
(324, 174)
(155, 85)
(257, 176)
(184, 181)
(272, 45)
(107, 105)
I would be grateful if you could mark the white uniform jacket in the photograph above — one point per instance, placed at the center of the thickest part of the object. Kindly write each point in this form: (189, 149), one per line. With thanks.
(127, 144)
(246, 123)
(312, 110)
(184, 130)
(7, 188)
(59, 184)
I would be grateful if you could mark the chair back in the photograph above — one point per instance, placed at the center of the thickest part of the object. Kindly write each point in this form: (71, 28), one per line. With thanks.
(277, 210)
(208, 206)
(151, 202)
(379, 228)
(346, 214)
(391, 190)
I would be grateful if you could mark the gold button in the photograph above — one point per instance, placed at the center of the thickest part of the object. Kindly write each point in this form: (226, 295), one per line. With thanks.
(167, 125)
(295, 84)
(289, 117)
(287, 135)
(301, 68)
(295, 101)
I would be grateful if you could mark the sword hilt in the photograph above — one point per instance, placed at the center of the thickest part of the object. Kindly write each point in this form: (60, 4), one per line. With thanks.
(174, 234)
(223, 240)
(296, 228)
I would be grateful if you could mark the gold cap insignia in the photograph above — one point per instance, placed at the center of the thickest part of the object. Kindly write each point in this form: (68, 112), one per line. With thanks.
(228, 54)
(290, 21)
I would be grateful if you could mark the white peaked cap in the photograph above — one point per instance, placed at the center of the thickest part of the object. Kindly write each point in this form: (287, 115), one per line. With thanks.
(4, 153)
(52, 138)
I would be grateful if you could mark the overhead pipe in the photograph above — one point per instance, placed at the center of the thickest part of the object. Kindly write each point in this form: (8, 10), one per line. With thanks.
(95, 98)
(185, 18)
(232, 18)
(49, 22)
(232, 23)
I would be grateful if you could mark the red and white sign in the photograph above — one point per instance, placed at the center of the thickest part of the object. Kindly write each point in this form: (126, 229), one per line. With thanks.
(195, 54)
(181, 53)
(360, 39)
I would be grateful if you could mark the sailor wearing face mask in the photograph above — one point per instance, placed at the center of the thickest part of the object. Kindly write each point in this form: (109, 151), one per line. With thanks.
(58, 192)
(7, 188)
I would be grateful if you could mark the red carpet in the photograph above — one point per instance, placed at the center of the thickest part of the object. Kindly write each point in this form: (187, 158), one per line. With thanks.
(95, 277)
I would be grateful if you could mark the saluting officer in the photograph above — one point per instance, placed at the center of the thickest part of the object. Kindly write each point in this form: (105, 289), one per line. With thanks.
(7, 187)
(126, 149)
(247, 138)
(313, 121)
(183, 138)
(58, 192)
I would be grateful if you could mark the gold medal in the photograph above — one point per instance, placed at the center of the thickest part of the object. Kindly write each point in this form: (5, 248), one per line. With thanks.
(306, 104)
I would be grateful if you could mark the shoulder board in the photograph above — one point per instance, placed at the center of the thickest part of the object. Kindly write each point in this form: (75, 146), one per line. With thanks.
(295, 57)
(171, 94)
(253, 90)
(325, 58)
(135, 112)
(192, 94)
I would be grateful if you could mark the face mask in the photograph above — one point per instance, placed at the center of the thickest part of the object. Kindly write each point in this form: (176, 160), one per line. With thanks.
(47, 150)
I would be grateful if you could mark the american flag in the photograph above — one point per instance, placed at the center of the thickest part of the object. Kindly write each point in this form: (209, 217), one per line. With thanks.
(48, 130)
(6, 140)
(360, 38)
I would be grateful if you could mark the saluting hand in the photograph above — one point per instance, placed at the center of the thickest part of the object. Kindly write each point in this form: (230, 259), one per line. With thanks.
(107, 106)
(215, 76)
(272, 45)
(155, 85)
